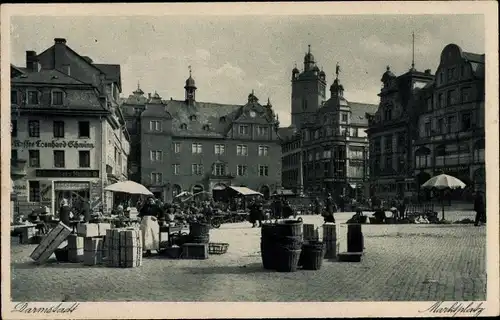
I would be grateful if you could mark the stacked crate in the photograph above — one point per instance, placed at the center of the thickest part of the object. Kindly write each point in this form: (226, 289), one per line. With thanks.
(28, 234)
(93, 243)
(75, 248)
(195, 251)
(50, 243)
(124, 248)
(330, 240)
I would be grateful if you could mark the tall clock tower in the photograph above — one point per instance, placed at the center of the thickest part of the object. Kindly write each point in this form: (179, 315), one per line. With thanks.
(308, 90)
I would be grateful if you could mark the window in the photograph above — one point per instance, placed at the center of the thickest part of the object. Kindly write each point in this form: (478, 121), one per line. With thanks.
(241, 170)
(155, 125)
(263, 150)
(466, 97)
(13, 97)
(156, 178)
(388, 113)
(184, 126)
(197, 169)
(192, 118)
(344, 117)
(241, 150)
(466, 121)
(59, 159)
(441, 77)
(35, 194)
(34, 158)
(243, 129)
(451, 124)
(176, 168)
(13, 155)
(196, 148)
(427, 128)
(439, 154)
(327, 154)
(304, 104)
(219, 169)
(34, 128)
(206, 127)
(263, 171)
(84, 159)
(155, 155)
(57, 98)
(262, 131)
(83, 129)
(32, 97)
(13, 128)
(440, 126)
(451, 73)
(441, 100)
(58, 129)
(356, 153)
(388, 143)
(177, 147)
(450, 97)
(219, 149)
(355, 132)
(429, 104)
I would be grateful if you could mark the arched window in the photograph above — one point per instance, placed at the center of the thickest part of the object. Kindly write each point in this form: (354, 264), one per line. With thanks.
(440, 153)
(479, 151)
(206, 127)
(388, 113)
(183, 126)
(222, 119)
(192, 118)
(423, 157)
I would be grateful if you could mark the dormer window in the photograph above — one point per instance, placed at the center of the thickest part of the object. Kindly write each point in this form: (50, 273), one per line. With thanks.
(222, 119)
(192, 118)
(57, 98)
(206, 127)
(184, 126)
(32, 97)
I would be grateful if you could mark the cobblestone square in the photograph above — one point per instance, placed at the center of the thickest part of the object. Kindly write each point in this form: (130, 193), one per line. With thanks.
(401, 262)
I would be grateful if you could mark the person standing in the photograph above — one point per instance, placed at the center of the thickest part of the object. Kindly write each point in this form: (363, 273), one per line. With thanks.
(480, 208)
(65, 212)
(150, 228)
(329, 217)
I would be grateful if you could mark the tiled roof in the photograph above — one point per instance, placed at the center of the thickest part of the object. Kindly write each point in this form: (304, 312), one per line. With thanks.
(474, 57)
(112, 72)
(217, 116)
(20, 69)
(286, 133)
(46, 76)
(359, 111)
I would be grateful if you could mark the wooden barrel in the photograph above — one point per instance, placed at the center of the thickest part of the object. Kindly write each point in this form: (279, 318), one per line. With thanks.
(268, 245)
(291, 228)
(288, 259)
(199, 232)
(354, 238)
(309, 232)
(311, 257)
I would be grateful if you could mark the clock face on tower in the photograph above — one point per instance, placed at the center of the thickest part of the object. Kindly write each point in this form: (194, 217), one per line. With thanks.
(252, 114)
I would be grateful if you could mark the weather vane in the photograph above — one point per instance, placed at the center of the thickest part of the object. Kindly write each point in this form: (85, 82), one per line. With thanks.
(189, 68)
(337, 70)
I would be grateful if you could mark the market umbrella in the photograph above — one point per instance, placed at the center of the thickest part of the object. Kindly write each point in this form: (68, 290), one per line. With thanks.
(129, 187)
(443, 182)
(183, 194)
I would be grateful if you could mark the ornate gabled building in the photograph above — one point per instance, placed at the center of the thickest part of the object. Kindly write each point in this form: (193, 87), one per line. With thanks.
(189, 145)
(68, 133)
(450, 135)
(325, 148)
(391, 132)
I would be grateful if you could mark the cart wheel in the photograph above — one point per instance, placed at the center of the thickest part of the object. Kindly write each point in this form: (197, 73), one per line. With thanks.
(216, 223)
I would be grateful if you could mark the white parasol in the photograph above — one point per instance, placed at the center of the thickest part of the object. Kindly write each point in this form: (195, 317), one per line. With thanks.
(443, 182)
(183, 194)
(130, 187)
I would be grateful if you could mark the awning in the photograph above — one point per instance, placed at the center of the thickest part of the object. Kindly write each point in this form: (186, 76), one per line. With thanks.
(246, 191)
(219, 188)
(353, 185)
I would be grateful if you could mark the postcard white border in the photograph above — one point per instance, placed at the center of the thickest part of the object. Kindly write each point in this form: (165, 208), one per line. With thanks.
(151, 310)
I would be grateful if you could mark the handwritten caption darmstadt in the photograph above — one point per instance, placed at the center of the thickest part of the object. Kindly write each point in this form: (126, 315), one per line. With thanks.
(455, 308)
(25, 307)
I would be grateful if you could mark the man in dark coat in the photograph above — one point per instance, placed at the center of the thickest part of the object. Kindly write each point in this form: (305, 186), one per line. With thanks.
(65, 212)
(480, 208)
(329, 217)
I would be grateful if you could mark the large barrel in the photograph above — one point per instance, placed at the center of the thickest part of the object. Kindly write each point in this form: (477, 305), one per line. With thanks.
(288, 259)
(268, 245)
(199, 232)
(330, 240)
(310, 233)
(311, 257)
(288, 245)
(355, 242)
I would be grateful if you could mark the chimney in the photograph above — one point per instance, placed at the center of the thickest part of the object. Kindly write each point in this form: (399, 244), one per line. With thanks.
(31, 61)
(59, 53)
(66, 69)
(427, 71)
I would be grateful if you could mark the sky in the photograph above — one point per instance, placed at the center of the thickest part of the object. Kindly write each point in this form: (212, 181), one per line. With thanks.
(232, 55)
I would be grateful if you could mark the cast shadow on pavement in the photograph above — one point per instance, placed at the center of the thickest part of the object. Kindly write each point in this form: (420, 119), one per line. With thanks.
(241, 269)
(50, 264)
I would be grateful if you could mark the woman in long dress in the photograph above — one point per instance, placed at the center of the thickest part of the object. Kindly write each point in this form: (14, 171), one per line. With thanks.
(150, 228)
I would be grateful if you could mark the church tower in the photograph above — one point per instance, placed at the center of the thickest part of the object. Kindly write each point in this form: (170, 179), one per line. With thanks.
(190, 89)
(308, 90)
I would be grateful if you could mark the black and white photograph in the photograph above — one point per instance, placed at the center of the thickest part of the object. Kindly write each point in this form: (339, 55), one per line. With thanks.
(202, 157)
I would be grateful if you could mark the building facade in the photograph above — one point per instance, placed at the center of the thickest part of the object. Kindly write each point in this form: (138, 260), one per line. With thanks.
(391, 132)
(451, 131)
(325, 150)
(188, 145)
(68, 134)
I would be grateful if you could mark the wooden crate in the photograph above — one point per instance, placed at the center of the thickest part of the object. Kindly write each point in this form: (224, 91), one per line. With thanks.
(124, 248)
(90, 230)
(75, 248)
(50, 243)
(93, 248)
(195, 251)
(27, 234)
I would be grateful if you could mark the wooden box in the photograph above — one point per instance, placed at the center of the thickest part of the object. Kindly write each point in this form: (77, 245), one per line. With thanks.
(90, 230)
(50, 243)
(93, 248)
(350, 256)
(124, 248)
(195, 251)
(27, 234)
(75, 248)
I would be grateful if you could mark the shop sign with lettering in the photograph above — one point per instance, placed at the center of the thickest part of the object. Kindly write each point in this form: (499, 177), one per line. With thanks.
(46, 191)
(67, 173)
(52, 144)
(71, 186)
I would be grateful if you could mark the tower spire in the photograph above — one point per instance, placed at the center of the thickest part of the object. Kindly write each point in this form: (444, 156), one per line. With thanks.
(189, 68)
(337, 71)
(308, 48)
(413, 51)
